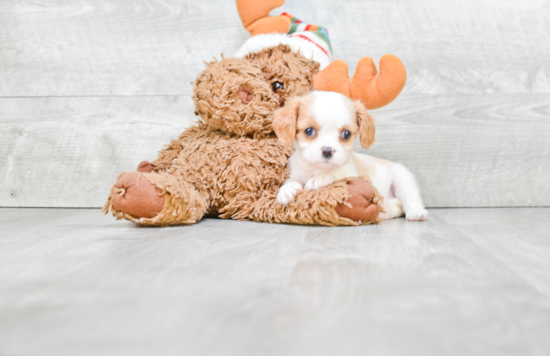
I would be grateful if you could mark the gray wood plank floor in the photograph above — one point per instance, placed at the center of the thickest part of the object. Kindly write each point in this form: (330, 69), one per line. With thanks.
(465, 282)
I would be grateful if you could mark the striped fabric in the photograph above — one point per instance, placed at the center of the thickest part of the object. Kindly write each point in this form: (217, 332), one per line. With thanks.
(316, 34)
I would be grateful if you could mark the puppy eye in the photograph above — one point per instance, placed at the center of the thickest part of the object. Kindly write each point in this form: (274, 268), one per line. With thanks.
(346, 135)
(276, 86)
(310, 131)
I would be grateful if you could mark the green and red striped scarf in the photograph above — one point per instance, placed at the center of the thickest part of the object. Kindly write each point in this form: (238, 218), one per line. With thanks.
(316, 34)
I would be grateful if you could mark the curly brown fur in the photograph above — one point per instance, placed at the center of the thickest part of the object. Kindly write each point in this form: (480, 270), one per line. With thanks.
(258, 71)
(216, 89)
(280, 64)
(220, 166)
(216, 96)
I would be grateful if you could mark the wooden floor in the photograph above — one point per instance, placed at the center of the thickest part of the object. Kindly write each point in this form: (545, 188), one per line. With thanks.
(466, 282)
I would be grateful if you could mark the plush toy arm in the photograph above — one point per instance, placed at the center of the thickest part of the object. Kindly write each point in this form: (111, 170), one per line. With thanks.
(170, 152)
(352, 201)
(167, 156)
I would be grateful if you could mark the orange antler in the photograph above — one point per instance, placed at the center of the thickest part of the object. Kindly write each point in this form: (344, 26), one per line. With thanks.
(367, 85)
(255, 16)
(334, 77)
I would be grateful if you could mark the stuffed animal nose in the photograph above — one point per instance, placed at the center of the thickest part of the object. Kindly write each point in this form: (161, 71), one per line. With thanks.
(246, 95)
(327, 152)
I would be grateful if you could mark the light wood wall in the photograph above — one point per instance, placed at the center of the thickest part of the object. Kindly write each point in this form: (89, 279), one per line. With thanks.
(89, 88)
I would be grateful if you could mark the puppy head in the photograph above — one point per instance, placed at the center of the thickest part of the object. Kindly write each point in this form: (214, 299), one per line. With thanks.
(324, 126)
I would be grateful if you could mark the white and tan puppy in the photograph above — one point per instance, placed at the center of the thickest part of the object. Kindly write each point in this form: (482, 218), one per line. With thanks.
(323, 126)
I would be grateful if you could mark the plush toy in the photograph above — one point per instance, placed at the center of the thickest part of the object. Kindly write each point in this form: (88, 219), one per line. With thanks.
(231, 164)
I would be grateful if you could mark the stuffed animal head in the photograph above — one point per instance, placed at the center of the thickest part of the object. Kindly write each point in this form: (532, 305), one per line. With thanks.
(239, 96)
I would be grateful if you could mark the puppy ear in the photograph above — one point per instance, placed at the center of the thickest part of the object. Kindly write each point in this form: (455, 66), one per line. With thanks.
(284, 121)
(366, 125)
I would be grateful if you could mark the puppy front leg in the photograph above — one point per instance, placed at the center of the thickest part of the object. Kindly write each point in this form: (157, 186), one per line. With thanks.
(405, 189)
(288, 191)
(319, 181)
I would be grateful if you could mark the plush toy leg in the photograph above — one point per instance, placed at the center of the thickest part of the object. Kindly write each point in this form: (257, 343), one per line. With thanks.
(137, 197)
(346, 202)
(155, 199)
(255, 16)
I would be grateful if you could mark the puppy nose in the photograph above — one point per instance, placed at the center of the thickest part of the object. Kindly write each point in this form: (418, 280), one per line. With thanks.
(246, 95)
(327, 152)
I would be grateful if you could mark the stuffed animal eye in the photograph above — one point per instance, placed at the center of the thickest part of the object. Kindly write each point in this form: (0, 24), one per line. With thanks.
(310, 131)
(346, 135)
(276, 86)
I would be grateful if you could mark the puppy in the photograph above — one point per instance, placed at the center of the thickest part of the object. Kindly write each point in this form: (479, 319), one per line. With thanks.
(323, 125)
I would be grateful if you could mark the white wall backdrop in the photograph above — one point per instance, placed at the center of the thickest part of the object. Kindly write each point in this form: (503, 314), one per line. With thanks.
(89, 88)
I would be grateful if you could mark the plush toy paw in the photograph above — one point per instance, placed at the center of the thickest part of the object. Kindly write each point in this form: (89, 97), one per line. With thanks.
(319, 181)
(288, 192)
(361, 207)
(138, 197)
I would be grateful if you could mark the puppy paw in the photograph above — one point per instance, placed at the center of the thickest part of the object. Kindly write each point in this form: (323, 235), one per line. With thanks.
(319, 181)
(388, 213)
(288, 192)
(393, 209)
(416, 214)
